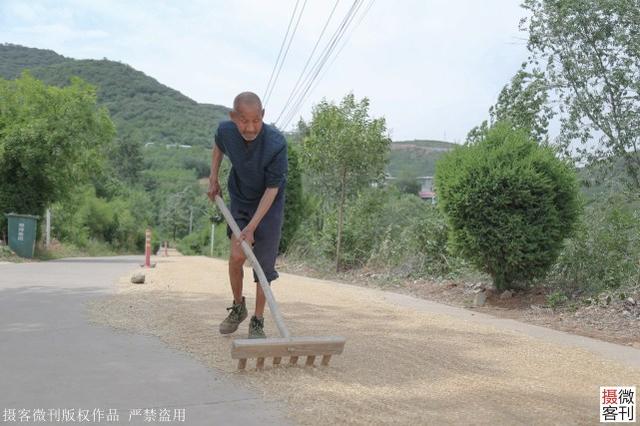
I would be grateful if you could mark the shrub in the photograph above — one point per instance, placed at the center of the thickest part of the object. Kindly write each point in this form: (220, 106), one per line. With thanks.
(417, 243)
(604, 252)
(194, 243)
(294, 208)
(307, 243)
(556, 299)
(389, 230)
(86, 218)
(199, 241)
(365, 219)
(509, 203)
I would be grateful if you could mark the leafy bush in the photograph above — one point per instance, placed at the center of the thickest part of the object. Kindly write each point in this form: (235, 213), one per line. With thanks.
(556, 299)
(306, 243)
(50, 140)
(86, 219)
(199, 241)
(408, 183)
(293, 211)
(509, 202)
(385, 230)
(416, 244)
(90, 248)
(194, 243)
(364, 221)
(605, 250)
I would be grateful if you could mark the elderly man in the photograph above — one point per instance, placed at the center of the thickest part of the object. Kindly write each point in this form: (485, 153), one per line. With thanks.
(258, 155)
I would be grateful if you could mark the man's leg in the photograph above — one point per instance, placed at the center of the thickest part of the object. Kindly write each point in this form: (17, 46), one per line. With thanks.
(260, 301)
(236, 271)
(238, 310)
(266, 249)
(256, 325)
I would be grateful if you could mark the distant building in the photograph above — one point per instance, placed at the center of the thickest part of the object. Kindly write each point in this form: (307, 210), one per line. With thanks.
(426, 189)
(426, 186)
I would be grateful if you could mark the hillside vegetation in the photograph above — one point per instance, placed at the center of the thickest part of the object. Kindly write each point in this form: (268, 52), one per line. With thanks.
(142, 109)
(416, 157)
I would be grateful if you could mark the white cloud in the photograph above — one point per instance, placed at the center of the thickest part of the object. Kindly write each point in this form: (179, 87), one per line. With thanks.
(429, 67)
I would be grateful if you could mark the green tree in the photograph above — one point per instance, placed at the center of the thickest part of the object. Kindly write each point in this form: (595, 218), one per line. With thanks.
(523, 103)
(590, 50)
(174, 216)
(609, 227)
(294, 208)
(346, 150)
(126, 158)
(509, 202)
(407, 182)
(181, 209)
(51, 139)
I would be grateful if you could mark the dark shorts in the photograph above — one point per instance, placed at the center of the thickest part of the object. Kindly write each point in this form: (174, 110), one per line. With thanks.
(267, 234)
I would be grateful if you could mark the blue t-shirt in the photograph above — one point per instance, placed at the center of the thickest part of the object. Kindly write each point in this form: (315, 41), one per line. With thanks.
(255, 166)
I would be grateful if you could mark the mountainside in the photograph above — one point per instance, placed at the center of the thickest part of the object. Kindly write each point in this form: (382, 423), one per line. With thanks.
(146, 111)
(416, 157)
(14, 59)
(142, 108)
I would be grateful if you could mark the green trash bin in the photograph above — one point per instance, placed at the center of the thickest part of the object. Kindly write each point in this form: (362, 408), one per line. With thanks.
(22, 233)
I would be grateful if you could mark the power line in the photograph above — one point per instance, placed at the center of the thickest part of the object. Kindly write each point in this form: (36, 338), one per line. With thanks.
(284, 57)
(295, 86)
(353, 30)
(286, 51)
(322, 58)
(281, 47)
(326, 69)
(329, 49)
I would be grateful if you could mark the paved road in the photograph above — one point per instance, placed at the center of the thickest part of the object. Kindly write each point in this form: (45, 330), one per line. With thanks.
(51, 358)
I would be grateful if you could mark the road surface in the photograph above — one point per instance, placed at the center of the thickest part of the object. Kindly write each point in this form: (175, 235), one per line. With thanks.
(52, 358)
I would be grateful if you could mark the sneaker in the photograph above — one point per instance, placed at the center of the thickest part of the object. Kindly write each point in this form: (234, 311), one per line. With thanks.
(236, 316)
(256, 328)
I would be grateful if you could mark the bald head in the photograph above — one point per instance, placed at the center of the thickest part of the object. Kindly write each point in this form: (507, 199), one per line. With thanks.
(247, 114)
(247, 99)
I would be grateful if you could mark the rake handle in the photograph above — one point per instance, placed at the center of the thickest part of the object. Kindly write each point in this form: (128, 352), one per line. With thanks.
(266, 289)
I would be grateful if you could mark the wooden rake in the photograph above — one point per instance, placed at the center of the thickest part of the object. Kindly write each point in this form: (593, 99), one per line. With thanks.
(285, 346)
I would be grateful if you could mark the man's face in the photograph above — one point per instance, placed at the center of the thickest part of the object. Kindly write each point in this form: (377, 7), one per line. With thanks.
(248, 118)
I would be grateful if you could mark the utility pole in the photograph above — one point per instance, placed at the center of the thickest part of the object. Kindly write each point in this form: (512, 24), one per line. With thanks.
(147, 248)
(47, 240)
(213, 234)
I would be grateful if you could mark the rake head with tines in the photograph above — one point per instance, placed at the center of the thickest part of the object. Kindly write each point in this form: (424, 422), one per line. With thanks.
(285, 346)
(292, 347)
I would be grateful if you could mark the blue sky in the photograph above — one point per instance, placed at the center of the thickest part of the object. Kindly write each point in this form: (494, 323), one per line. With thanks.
(432, 68)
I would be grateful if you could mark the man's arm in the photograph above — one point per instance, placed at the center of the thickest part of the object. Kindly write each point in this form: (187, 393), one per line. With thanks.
(214, 185)
(265, 204)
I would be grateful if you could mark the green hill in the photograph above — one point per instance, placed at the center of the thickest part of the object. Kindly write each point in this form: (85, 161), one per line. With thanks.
(14, 59)
(416, 157)
(143, 109)
(599, 180)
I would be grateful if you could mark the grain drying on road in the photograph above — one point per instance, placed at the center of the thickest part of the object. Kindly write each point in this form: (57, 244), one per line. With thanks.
(400, 366)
